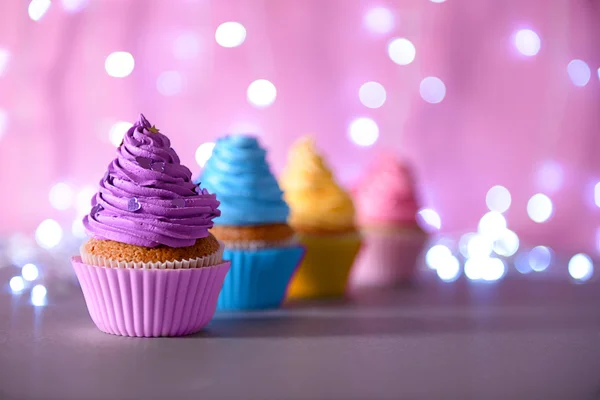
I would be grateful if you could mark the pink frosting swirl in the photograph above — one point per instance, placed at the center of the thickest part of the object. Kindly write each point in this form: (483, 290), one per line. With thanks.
(386, 195)
(147, 198)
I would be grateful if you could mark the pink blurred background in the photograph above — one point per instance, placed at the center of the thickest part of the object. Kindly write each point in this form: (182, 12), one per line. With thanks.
(528, 123)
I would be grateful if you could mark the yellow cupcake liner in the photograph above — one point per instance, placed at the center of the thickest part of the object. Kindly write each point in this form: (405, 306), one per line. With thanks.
(326, 266)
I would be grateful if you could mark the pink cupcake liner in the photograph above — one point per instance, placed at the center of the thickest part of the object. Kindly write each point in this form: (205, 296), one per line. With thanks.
(150, 302)
(387, 259)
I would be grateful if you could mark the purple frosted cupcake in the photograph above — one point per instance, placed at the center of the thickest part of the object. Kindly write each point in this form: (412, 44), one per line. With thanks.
(150, 268)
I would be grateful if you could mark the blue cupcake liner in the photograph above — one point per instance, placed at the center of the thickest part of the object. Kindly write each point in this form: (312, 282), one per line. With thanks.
(258, 279)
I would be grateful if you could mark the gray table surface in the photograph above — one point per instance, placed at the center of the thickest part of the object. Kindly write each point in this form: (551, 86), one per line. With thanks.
(517, 339)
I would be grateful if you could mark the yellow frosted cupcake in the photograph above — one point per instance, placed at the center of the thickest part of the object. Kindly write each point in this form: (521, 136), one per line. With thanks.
(322, 213)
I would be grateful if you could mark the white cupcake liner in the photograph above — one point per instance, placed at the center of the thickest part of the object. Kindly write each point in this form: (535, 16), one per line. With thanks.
(206, 261)
(260, 244)
(341, 236)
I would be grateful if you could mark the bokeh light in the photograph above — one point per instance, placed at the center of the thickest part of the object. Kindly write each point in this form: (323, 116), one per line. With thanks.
(16, 284)
(30, 272)
(506, 244)
(170, 83)
(488, 269)
(527, 42)
(379, 20)
(579, 72)
(498, 199)
(119, 64)
(493, 270)
(230, 34)
(474, 268)
(436, 255)
(203, 153)
(61, 196)
(432, 90)
(522, 263)
(73, 6)
(581, 267)
(438, 1)
(539, 258)
(48, 234)
(4, 58)
(261, 93)
(78, 229)
(363, 131)
(479, 246)
(244, 126)
(186, 46)
(463, 243)
(597, 194)
(37, 9)
(550, 176)
(402, 51)
(429, 219)
(38, 295)
(83, 200)
(492, 225)
(372, 94)
(449, 269)
(117, 132)
(21, 249)
(539, 208)
(3, 122)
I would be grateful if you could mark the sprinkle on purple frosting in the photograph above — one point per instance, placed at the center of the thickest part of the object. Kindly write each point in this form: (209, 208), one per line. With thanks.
(133, 205)
(148, 198)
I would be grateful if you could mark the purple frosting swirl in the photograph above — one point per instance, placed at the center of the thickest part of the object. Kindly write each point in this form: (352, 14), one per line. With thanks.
(147, 198)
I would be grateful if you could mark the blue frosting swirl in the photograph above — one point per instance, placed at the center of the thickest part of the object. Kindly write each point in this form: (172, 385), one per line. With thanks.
(238, 173)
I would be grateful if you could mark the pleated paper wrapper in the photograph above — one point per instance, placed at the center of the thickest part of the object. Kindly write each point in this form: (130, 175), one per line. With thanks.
(150, 302)
(258, 279)
(326, 266)
(261, 244)
(387, 259)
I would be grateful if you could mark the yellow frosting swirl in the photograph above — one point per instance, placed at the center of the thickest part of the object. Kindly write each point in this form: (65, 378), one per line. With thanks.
(317, 203)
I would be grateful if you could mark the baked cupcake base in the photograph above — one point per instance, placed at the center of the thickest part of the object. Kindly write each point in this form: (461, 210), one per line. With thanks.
(258, 279)
(263, 233)
(388, 257)
(108, 253)
(326, 265)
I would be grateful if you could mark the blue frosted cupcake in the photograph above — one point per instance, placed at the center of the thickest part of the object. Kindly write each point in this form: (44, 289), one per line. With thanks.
(261, 246)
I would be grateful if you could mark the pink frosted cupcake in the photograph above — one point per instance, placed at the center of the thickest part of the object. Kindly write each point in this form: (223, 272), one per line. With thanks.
(150, 268)
(386, 207)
